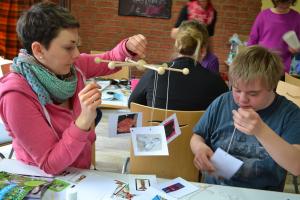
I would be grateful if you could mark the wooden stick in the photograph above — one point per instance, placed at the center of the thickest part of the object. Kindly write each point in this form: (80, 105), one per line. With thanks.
(124, 64)
(99, 60)
(185, 71)
(142, 63)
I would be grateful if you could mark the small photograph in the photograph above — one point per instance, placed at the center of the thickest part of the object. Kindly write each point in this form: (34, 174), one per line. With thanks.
(120, 123)
(139, 184)
(65, 173)
(171, 126)
(125, 122)
(173, 187)
(80, 178)
(58, 185)
(142, 184)
(149, 141)
(169, 129)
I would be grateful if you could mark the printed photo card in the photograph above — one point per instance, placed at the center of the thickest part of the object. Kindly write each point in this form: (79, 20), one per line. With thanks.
(120, 123)
(171, 126)
(148, 141)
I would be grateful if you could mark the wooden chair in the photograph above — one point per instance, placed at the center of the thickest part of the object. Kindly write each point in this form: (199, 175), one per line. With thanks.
(5, 66)
(179, 163)
(291, 92)
(292, 80)
(122, 74)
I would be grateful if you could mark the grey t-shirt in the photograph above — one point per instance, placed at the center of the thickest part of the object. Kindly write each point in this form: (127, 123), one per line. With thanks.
(259, 170)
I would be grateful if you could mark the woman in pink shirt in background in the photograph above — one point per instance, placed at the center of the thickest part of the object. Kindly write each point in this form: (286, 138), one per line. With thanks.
(44, 102)
(271, 24)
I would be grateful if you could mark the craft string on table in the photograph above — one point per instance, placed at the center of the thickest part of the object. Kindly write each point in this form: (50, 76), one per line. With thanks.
(141, 65)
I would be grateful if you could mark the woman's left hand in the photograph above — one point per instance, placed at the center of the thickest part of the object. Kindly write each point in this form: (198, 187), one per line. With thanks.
(137, 44)
(90, 99)
(247, 121)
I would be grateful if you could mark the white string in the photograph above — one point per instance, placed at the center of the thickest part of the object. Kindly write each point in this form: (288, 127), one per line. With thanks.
(231, 140)
(47, 115)
(168, 84)
(154, 94)
(196, 53)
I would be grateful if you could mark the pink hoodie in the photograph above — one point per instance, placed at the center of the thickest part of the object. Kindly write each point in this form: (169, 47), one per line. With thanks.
(34, 140)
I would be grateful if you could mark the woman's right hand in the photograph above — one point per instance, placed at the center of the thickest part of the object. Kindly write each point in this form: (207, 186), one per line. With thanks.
(90, 99)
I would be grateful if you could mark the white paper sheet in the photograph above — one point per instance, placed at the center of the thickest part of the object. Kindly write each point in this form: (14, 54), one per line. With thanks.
(17, 167)
(104, 84)
(177, 187)
(226, 165)
(90, 185)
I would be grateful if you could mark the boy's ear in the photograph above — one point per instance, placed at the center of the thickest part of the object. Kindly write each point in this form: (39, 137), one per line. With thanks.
(37, 50)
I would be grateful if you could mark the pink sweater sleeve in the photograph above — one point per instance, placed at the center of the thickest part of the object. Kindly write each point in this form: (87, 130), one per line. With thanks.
(87, 64)
(30, 129)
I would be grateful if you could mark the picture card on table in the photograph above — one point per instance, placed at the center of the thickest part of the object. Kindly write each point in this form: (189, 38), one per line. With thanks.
(149, 141)
(226, 165)
(171, 126)
(122, 191)
(120, 123)
(138, 184)
(177, 187)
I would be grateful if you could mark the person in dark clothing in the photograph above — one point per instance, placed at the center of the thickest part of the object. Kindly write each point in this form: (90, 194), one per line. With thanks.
(174, 90)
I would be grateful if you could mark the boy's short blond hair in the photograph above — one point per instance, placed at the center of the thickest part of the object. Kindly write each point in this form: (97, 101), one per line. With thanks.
(256, 62)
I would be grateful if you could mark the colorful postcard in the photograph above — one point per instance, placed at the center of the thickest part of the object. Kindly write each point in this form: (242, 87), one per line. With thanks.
(171, 126)
(17, 187)
(149, 141)
(177, 187)
(120, 123)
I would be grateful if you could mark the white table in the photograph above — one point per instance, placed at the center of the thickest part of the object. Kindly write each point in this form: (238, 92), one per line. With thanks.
(216, 192)
(96, 180)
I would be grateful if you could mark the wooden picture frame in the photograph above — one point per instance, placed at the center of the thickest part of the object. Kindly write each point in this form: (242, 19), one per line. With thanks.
(146, 8)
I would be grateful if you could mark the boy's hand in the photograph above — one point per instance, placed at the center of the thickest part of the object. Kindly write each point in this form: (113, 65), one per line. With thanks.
(202, 159)
(248, 121)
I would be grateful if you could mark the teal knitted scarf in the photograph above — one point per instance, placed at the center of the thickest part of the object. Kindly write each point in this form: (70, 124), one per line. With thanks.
(44, 83)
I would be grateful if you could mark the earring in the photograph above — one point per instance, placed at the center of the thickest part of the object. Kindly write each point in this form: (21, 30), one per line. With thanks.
(41, 57)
